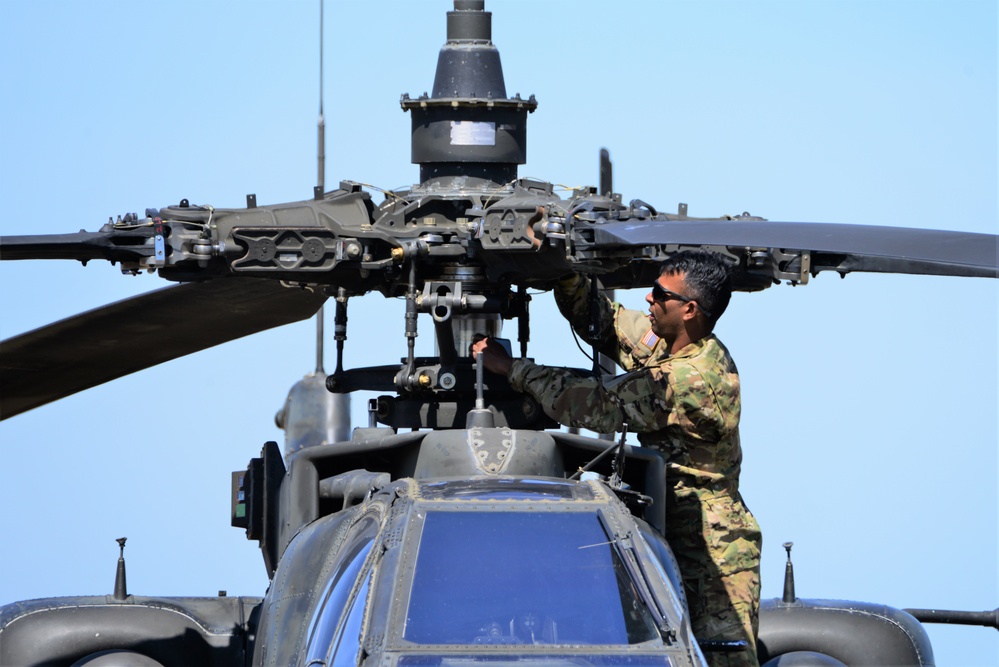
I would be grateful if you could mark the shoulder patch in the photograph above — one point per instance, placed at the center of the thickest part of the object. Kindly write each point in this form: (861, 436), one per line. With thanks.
(649, 340)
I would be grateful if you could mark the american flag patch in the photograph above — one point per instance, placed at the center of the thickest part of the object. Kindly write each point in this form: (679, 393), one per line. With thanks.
(649, 340)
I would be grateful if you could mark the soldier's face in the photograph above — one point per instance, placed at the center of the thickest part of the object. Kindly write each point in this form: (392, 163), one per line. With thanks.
(666, 316)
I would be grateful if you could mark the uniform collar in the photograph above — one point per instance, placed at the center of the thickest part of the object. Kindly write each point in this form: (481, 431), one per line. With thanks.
(660, 354)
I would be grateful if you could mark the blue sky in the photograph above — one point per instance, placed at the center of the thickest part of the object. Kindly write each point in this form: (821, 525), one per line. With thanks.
(869, 421)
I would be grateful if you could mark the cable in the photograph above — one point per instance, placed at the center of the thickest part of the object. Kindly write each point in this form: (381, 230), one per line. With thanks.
(587, 354)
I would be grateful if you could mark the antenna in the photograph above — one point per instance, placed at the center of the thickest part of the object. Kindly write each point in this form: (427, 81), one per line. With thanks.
(789, 596)
(321, 152)
(321, 182)
(120, 587)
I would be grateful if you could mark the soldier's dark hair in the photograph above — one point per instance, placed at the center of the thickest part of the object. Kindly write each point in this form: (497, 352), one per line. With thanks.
(707, 276)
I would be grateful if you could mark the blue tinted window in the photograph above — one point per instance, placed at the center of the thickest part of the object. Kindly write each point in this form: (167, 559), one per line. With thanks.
(348, 641)
(324, 622)
(522, 578)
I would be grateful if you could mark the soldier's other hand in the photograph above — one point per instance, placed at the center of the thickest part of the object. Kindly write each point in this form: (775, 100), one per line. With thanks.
(494, 356)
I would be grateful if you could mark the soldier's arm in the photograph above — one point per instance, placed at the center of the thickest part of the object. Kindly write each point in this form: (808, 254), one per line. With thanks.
(643, 398)
(572, 295)
(623, 333)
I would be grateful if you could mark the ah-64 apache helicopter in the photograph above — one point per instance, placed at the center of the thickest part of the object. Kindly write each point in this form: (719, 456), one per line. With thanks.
(162, 417)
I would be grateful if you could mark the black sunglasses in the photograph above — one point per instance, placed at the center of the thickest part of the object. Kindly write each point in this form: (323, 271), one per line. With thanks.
(660, 293)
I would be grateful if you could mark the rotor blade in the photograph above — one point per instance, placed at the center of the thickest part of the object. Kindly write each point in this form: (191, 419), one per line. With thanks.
(848, 247)
(92, 348)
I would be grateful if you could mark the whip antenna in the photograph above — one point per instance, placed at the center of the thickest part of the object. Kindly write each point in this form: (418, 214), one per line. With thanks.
(321, 181)
(321, 153)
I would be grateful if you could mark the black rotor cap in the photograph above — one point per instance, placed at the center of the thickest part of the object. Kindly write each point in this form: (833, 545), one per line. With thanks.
(469, 128)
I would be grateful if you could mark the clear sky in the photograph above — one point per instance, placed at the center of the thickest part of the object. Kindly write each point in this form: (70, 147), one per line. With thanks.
(869, 419)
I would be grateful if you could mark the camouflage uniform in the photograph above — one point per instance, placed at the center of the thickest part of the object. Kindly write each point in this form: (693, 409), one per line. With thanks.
(687, 406)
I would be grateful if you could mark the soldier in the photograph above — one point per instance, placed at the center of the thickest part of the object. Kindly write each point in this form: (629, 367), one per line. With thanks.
(681, 394)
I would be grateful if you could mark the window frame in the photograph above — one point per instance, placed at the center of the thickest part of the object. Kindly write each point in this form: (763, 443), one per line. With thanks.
(415, 532)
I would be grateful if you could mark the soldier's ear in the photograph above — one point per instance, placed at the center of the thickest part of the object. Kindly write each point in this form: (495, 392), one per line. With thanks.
(689, 310)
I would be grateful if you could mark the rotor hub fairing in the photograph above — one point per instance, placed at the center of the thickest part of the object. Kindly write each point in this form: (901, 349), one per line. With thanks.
(469, 127)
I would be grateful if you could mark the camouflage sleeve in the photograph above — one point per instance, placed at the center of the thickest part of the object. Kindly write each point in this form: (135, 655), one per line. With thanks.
(620, 329)
(572, 295)
(642, 398)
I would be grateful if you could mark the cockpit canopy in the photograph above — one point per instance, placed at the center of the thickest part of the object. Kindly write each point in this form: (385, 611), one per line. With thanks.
(456, 571)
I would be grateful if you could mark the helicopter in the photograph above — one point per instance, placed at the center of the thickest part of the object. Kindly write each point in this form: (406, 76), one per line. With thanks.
(790, 388)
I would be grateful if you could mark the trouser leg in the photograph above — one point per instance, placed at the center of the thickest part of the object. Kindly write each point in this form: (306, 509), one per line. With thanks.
(726, 608)
(717, 544)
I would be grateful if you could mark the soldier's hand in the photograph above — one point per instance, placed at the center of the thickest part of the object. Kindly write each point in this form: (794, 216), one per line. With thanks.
(494, 356)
